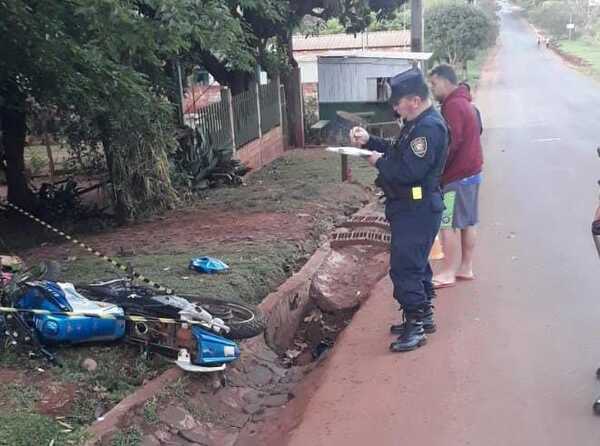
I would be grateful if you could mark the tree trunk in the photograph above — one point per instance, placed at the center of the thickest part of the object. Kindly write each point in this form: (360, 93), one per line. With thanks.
(120, 209)
(14, 128)
(237, 81)
(293, 95)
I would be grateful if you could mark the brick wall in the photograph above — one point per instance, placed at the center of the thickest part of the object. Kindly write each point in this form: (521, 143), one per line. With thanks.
(260, 152)
(310, 89)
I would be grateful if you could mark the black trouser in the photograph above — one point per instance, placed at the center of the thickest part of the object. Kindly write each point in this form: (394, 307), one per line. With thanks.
(414, 226)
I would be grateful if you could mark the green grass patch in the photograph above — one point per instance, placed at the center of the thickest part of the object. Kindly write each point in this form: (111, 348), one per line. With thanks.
(129, 437)
(256, 268)
(475, 66)
(586, 49)
(293, 182)
(20, 424)
(28, 428)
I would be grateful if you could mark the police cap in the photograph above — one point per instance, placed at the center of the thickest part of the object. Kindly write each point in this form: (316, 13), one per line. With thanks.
(411, 82)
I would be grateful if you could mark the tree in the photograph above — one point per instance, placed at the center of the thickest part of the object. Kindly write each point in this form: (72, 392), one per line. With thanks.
(106, 63)
(553, 16)
(455, 32)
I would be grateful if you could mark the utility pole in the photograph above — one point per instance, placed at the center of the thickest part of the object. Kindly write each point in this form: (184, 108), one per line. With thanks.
(416, 26)
(570, 25)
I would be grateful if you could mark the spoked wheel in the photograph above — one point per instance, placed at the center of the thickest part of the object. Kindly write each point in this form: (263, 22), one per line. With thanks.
(245, 321)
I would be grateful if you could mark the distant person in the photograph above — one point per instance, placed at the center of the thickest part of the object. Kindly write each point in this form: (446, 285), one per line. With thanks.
(547, 42)
(461, 177)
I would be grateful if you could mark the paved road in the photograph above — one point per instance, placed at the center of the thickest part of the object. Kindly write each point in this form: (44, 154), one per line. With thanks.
(514, 360)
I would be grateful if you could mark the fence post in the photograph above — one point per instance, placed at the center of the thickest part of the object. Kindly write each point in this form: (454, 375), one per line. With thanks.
(283, 114)
(257, 89)
(277, 81)
(226, 96)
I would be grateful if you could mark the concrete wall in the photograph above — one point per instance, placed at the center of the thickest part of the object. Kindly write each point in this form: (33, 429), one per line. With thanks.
(262, 151)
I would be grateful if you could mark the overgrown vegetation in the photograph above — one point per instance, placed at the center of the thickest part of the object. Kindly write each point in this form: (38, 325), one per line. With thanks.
(457, 33)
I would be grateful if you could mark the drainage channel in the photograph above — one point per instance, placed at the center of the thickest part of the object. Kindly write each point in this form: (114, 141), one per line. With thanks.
(260, 398)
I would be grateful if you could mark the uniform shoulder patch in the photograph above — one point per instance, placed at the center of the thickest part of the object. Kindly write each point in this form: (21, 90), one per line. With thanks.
(419, 146)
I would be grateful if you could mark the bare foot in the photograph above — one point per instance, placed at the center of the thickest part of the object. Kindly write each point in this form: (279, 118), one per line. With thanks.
(465, 274)
(443, 280)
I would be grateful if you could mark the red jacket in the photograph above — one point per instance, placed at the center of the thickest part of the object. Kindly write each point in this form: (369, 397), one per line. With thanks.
(465, 156)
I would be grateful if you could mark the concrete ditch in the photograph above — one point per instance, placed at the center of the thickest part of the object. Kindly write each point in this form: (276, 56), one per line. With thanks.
(241, 406)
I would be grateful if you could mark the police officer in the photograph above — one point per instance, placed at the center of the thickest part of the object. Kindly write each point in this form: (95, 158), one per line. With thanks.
(409, 173)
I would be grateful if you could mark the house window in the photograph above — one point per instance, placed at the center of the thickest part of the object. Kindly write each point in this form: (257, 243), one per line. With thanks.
(383, 93)
(200, 76)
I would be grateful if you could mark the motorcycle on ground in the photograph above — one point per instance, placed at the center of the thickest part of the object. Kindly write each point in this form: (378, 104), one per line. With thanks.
(194, 332)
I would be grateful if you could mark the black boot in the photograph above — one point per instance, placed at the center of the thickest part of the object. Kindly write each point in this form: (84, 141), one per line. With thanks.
(428, 322)
(413, 335)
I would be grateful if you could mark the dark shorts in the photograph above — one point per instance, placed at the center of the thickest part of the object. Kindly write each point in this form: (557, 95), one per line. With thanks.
(461, 198)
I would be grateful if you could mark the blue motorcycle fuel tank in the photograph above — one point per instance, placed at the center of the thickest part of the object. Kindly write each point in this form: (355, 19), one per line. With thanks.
(55, 297)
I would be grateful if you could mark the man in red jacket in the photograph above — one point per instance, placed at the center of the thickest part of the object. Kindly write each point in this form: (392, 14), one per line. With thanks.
(461, 177)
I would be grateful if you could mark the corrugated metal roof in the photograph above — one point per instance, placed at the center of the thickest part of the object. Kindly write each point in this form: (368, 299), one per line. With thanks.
(374, 54)
(382, 55)
(377, 39)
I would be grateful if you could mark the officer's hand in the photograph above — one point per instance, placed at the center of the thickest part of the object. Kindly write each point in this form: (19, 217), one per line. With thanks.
(358, 135)
(372, 159)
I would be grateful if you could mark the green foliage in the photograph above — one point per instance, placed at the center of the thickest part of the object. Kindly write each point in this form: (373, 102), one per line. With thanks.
(130, 437)
(37, 163)
(22, 428)
(553, 16)
(455, 32)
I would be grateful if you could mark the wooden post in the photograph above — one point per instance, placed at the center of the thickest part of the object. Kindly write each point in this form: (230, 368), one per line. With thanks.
(226, 96)
(416, 26)
(346, 171)
(277, 80)
(284, 118)
(177, 67)
(257, 89)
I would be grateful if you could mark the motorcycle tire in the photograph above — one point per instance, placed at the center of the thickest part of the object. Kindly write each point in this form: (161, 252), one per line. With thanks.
(244, 321)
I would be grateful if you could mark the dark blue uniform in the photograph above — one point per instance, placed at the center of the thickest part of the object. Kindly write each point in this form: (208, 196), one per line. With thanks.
(409, 174)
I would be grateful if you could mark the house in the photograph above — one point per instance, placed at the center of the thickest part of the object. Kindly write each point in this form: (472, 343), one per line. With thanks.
(308, 49)
(356, 82)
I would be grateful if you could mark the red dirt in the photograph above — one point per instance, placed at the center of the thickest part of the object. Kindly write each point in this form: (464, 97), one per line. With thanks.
(181, 230)
(57, 399)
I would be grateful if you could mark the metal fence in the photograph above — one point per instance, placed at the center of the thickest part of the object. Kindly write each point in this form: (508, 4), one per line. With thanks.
(269, 106)
(214, 124)
(245, 117)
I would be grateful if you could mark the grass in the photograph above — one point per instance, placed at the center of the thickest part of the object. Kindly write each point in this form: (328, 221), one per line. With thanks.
(150, 411)
(291, 182)
(121, 369)
(585, 49)
(19, 423)
(21, 428)
(475, 66)
(129, 437)
(255, 269)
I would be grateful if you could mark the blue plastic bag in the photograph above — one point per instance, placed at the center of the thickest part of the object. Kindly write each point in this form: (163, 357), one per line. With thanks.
(208, 265)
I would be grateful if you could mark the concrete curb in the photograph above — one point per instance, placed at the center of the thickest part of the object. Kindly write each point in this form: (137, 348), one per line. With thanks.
(285, 307)
(109, 424)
